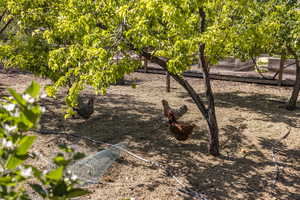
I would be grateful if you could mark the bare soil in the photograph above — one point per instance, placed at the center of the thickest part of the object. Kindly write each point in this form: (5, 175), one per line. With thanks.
(250, 117)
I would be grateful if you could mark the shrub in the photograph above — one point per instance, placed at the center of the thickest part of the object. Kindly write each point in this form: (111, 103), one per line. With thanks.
(18, 114)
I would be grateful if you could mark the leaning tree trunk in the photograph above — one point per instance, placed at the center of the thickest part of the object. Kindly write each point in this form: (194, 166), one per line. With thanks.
(296, 89)
(207, 113)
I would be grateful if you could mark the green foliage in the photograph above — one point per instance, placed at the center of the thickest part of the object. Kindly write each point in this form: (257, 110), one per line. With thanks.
(76, 43)
(270, 27)
(61, 40)
(92, 42)
(19, 113)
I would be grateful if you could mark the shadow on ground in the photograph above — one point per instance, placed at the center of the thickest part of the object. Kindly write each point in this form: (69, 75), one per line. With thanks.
(271, 107)
(122, 118)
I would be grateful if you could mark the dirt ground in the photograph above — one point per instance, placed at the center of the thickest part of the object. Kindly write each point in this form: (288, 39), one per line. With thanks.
(250, 120)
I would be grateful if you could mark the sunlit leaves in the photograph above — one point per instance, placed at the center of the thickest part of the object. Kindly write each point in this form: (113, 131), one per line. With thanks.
(265, 27)
(80, 43)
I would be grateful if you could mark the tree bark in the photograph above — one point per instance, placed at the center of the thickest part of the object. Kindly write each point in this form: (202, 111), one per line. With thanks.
(295, 93)
(211, 114)
(168, 82)
(5, 26)
(145, 65)
(2, 15)
(207, 113)
(281, 67)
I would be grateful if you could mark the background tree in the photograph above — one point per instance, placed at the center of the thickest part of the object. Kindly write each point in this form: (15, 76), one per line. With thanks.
(267, 27)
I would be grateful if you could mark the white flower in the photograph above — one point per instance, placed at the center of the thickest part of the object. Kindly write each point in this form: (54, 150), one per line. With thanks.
(7, 144)
(43, 96)
(45, 172)
(9, 107)
(16, 114)
(74, 177)
(9, 128)
(43, 109)
(28, 98)
(26, 172)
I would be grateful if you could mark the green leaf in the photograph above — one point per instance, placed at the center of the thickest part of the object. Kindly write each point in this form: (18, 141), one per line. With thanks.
(17, 97)
(77, 192)
(56, 174)
(39, 189)
(5, 180)
(13, 161)
(37, 173)
(24, 145)
(65, 148)
(33, 90)
(31, 116)
(60, 160)
(60, 189)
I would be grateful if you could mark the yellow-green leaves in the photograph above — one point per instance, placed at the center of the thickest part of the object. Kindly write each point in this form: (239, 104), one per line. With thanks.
(261, 27)
(80, 43)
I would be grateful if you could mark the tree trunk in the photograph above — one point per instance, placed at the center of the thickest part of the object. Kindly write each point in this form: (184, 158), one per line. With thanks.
(207, 113)
(211, 114)
(168, 82)
(214, 146)
(295, 93)
(281, 66)
(145, 65)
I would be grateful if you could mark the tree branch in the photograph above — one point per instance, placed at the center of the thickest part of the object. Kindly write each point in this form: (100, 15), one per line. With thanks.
(1, 17)
(102, 26)
(204, 64)
(6, 25)
(285, 66)
(258, 71)
(163, 64)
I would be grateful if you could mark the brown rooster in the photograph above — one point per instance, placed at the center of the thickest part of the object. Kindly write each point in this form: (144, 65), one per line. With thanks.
(85, 110)
(177, 112)
(181, 131)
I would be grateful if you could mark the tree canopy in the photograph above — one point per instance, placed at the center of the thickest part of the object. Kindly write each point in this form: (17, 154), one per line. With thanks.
(267, 27)
(78, 41)
(93, 42)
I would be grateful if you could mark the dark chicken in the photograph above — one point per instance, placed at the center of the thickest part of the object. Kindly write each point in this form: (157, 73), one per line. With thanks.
(181, 131)
(177, 112)
(85, 110)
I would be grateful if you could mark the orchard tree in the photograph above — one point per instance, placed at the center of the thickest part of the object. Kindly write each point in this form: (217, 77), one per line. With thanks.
(267, 27)
(281, 26)
(75, 43)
